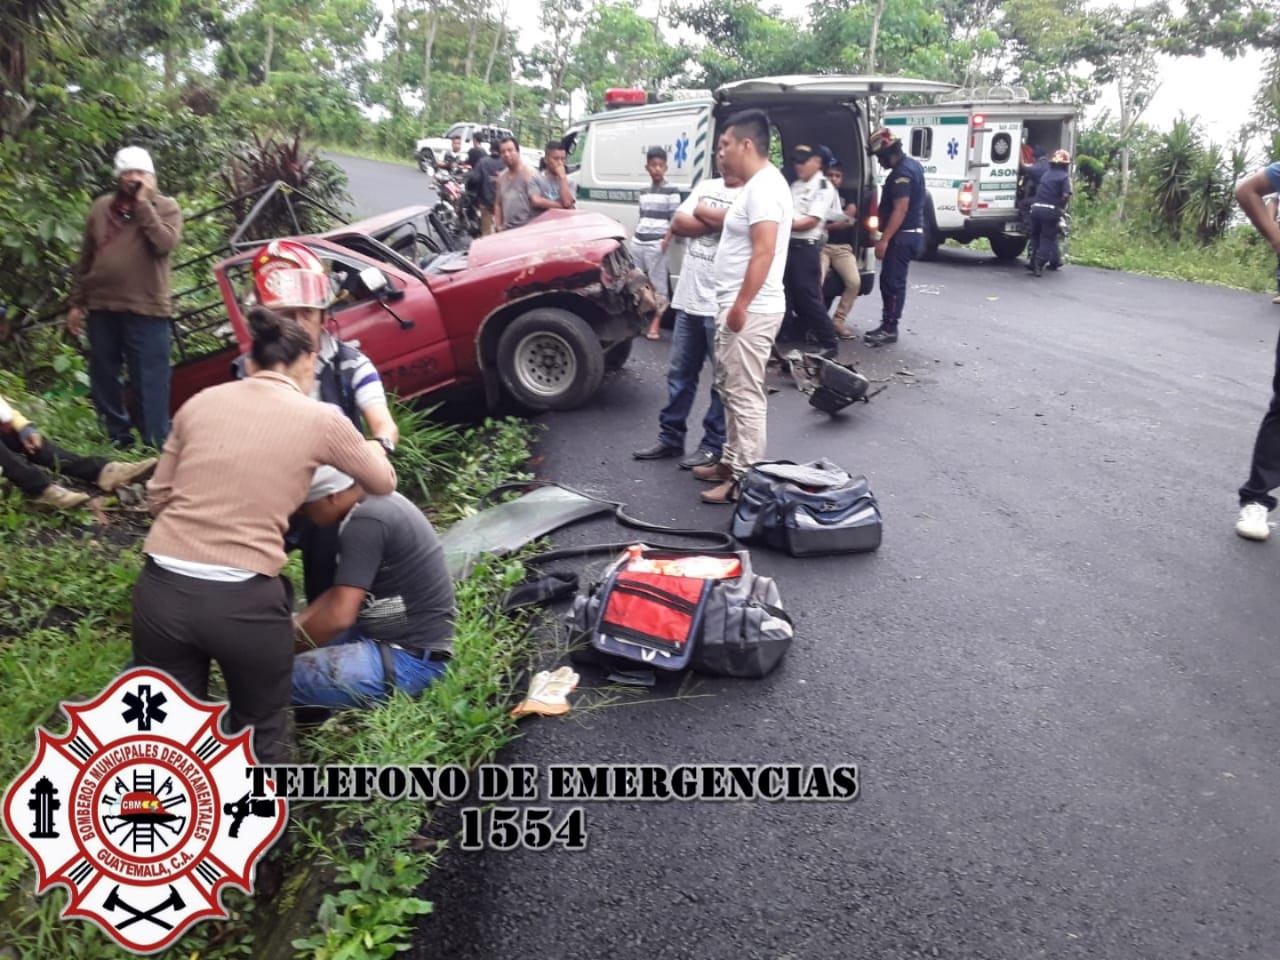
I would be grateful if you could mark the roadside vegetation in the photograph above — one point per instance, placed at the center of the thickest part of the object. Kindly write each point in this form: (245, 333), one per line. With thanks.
(352, 870)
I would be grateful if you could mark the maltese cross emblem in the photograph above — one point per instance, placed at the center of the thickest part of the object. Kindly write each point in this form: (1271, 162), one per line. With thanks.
(142, 811)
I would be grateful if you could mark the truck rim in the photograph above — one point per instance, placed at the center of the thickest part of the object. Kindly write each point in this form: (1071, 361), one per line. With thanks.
(545, 364)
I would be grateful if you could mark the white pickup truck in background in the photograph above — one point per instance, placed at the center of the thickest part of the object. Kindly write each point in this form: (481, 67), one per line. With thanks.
(428, 150)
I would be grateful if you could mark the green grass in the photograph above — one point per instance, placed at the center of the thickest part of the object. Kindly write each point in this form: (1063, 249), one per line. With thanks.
(65, 609)
(1236, 261)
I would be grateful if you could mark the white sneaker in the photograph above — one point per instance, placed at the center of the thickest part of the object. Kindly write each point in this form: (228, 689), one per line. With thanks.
(1253, 524)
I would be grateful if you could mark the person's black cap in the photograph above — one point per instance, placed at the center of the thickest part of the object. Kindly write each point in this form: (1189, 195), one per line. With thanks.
(804, 152)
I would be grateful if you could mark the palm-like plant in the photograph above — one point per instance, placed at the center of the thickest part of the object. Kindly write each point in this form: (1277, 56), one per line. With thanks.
(1171, 166)
(1208, 185)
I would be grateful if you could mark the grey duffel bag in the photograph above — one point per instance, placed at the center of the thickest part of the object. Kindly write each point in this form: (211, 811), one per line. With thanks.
(807, 509)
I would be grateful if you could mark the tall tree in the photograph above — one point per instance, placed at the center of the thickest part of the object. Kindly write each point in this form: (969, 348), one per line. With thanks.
(1122, 51)
(740, 39)
(561, 22)
(623, 49)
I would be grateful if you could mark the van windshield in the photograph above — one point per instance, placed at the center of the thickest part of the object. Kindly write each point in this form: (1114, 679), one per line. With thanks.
(457, 130)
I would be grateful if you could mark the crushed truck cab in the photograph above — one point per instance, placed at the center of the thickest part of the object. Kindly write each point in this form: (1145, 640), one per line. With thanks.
(536, 313)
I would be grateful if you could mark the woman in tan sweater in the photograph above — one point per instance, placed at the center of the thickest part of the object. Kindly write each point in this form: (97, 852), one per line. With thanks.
(238, 461)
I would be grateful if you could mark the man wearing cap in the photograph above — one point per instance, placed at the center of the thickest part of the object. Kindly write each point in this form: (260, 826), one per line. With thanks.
(902, 239)
(121, 286)
(386, 624)
(812, 197)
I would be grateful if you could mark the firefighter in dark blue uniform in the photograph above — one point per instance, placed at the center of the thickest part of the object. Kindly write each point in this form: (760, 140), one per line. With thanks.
(1050, 200)
(902, 237)
(1031, 174)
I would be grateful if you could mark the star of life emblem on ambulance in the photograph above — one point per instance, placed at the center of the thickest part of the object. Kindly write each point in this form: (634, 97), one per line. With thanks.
(953, 148)
(143, 811)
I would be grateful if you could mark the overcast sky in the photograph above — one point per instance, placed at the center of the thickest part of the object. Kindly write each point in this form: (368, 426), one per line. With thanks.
(1218, 90)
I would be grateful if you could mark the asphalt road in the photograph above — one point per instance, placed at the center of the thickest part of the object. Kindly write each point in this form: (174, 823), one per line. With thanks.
(1058, 675)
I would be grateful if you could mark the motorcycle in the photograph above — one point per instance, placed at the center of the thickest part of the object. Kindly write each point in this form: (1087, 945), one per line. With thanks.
(456, 211)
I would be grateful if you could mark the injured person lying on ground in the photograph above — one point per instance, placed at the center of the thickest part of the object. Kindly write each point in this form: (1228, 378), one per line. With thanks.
(23, 450)
(386, 624)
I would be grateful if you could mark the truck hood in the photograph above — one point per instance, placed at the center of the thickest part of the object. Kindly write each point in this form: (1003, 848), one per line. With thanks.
(555, 228)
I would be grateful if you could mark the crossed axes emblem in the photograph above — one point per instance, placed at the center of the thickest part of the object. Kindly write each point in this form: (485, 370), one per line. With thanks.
(172, 902)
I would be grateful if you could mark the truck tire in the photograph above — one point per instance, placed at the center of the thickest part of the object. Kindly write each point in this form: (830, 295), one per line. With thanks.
(1006, 247)
(550, 359)
(616, 357)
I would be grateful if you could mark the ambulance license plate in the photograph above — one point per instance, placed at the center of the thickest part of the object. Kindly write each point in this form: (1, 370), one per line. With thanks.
(1013, 227)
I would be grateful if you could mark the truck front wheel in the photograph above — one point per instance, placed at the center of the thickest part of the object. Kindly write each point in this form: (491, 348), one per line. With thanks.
(550, 359)
(1006, 247)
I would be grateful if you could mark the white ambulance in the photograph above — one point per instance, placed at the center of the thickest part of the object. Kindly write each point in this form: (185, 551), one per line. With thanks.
(607, 150)
(970, 144)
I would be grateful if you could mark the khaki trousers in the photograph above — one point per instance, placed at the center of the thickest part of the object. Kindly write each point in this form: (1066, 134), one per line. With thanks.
(740, 370)
(840, 257)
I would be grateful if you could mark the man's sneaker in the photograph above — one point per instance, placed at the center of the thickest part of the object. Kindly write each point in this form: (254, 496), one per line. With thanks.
(117, 474)
(659, 451)
(1253, 524)
(880, 336)
(702, 458)
(60, 498)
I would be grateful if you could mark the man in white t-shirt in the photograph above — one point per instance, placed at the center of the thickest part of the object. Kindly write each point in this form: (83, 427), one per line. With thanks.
(693, 338)
(812, 196)
(749, 295)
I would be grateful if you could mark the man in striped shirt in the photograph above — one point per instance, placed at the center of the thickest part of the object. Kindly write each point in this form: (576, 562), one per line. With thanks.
(658, 205)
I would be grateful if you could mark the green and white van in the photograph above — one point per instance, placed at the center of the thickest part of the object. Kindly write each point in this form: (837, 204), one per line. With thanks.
(607, 150)
(970, 144)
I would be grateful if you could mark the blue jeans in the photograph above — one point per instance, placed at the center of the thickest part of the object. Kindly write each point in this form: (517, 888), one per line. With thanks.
(693, 342)
(348, 673)
(903, 248)
(141, 344)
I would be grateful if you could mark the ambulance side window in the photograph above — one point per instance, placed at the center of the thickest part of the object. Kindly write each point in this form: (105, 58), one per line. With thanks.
(1001, 147)
(575, 145)
(922, 142)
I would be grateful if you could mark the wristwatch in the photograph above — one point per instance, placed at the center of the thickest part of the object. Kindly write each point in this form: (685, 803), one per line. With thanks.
(387, 445)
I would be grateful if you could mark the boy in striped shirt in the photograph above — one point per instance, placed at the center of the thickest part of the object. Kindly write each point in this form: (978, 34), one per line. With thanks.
(658, 205)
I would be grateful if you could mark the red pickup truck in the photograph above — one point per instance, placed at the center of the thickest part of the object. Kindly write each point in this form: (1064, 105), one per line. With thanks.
(536, 313)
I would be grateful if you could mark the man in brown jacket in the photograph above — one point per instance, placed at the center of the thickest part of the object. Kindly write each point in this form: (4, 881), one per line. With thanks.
(122, 287)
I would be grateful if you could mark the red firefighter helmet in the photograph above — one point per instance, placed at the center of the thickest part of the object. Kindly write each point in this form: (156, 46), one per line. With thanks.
(882, 139)
(1060, 156)
(287, 274)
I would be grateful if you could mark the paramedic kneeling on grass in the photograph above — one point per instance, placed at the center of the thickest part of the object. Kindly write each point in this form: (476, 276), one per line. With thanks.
(387, 622)
(239, 460)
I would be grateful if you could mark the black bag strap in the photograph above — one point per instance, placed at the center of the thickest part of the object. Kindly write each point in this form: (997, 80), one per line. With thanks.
(778, 612)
